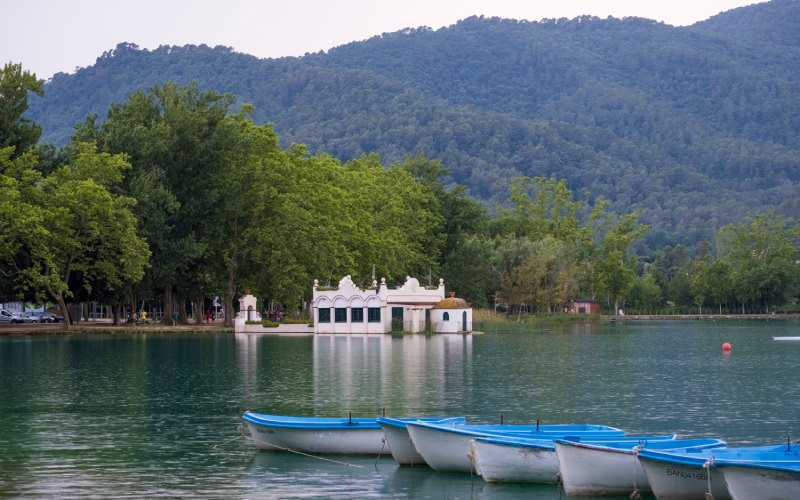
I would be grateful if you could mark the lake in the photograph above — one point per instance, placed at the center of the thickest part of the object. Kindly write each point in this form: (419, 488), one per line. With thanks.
(160, 415)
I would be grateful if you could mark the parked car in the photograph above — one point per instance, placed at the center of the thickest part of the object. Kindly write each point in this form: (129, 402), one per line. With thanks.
(29, 317)
(10, 317)
(47, 317)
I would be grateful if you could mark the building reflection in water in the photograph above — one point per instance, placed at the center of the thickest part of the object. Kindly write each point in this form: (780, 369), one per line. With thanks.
(247, 352)
(408, 375)
(333, 375)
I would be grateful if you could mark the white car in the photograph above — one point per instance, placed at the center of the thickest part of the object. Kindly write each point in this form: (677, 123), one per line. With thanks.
(10, 317)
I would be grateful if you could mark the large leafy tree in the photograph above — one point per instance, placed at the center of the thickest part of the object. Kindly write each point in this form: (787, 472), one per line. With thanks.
(465, 260)
(543, 210)
(615, 267)
(763, 259)
(244, 190)
(73, 223)
(177, 139)
(15, 129)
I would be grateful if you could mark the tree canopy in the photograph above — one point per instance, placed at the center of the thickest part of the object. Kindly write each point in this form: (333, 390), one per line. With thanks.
(17, 130)
(695, 127)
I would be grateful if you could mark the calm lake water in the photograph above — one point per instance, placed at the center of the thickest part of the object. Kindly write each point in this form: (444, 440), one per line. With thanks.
(116, 416)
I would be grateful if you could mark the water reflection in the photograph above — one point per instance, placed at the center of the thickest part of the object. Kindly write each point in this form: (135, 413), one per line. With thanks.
(140, 415)
(402, 375)
(285, 475)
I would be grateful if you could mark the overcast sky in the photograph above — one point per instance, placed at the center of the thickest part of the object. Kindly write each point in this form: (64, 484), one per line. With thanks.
(49, 36)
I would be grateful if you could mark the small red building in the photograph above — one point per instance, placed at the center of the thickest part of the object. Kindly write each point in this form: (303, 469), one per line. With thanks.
(585, 306)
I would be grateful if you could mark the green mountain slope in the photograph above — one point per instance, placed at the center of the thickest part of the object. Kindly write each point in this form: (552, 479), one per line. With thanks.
(696, 126)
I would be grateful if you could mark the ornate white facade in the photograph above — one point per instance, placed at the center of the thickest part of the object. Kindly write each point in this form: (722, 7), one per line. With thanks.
(378, 309)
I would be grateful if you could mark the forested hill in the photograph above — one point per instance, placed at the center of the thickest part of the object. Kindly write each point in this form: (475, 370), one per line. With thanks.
(697, 126)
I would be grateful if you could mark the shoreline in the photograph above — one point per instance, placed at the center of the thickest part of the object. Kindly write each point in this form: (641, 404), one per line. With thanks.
(104, 327)
(699, 317)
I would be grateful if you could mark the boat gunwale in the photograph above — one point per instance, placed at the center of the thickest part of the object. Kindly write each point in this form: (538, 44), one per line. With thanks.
(698, 457)
(514, 430)
(311, 423)
(609, 445)
(403, 422)
(790, 465)
(549, 443)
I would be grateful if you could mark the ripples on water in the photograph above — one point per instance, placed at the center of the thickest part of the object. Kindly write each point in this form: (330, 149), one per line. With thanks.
(134, 416)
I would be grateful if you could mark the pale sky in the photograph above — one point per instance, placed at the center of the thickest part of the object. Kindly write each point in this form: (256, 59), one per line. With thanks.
(50, 36)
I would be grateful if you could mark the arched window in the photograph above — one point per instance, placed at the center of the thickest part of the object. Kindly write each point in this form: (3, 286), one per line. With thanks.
(446, 317)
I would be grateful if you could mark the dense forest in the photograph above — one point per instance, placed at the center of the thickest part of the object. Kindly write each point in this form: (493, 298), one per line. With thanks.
(695, 126)
(527, 164)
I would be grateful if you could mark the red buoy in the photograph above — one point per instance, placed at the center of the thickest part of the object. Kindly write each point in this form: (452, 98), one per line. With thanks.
(726, 347)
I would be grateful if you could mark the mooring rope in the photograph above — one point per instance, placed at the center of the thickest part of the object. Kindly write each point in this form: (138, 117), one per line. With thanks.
(636, 494)
(471, 457)
(283, 448)
(240, 436)
(709, 463)
(383, 444)
(559, 484)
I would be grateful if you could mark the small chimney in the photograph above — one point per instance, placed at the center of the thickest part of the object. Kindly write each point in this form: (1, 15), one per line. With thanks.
(452, 295)
(247, 291)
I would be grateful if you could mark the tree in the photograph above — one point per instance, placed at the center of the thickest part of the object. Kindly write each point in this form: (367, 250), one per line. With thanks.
(177, 139)
(75, 224)
(515, 287)
(468, 270)
(15, 129)
(552, 278)
(645, 293)
(700, 286)
(718, 279)
(615, 269)
(245, 190)
(763, 259)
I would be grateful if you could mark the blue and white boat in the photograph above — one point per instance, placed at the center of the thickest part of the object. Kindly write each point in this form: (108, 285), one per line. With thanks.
(396, 433)
(690, 474)
(611, 468)
(764, 480)
(358, 436)
(525, 460)
(448, 448)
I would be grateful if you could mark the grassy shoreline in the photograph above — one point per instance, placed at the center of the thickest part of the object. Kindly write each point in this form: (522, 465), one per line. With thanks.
(109, 329)
(488, 321)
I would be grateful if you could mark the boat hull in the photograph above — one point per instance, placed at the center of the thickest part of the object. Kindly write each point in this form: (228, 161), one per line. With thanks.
(403, 450)
(336, 441)
(592, 471)
(684, 474)
(447, 448)
(498, 463)
(317, 435)
(442, 451)
(397, 437)
(745, 483)
(676, 481)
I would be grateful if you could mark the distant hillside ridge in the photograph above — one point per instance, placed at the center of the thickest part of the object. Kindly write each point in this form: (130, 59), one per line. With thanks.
(696, 126)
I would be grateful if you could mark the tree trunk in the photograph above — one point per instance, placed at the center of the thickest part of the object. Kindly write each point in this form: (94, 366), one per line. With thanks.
(199, 310)
(117, 310)
(227, 305)
(167, 317)
(182, 319)
(64, 312)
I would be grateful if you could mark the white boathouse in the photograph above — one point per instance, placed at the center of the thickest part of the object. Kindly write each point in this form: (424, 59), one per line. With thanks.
(378, 309)
(452, 315)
